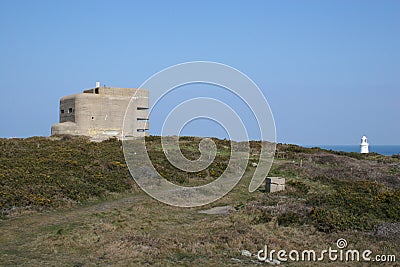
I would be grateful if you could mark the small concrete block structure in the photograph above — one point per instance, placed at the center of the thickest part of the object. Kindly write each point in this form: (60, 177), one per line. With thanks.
(218, 210)
(274, 184)
(99, 112)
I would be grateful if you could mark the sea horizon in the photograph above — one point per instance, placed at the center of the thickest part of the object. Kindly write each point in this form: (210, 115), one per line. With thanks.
(387, 150)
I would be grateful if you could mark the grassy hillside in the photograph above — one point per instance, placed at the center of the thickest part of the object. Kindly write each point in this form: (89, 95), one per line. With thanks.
(37, 173)
(337, 190)
(95, 214)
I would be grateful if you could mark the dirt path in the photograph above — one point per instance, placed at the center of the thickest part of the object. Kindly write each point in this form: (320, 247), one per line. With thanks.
(18, 232)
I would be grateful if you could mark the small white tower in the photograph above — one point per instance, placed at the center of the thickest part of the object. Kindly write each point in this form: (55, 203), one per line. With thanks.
(364, 145)
(97, 84)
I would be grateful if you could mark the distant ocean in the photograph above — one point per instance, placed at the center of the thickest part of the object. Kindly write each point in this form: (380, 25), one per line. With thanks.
(387, 150)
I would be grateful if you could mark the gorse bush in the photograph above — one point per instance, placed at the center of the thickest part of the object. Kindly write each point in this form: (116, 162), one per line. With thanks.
(335, 191)
(40, 172)
(357, 205)
(291, 218)
(189, 146)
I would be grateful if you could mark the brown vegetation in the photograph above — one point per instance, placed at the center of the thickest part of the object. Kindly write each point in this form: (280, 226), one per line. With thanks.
(106, 220)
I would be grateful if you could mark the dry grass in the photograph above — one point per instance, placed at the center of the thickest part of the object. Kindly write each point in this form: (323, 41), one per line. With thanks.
(137, 230)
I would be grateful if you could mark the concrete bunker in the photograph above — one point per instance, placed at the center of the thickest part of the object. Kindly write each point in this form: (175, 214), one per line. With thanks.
(99, 112)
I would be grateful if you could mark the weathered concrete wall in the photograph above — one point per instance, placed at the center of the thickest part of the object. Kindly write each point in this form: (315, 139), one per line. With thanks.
(67, 109)
(99, 112)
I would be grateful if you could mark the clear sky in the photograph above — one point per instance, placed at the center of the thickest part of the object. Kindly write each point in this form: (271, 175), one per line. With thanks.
(330, 70)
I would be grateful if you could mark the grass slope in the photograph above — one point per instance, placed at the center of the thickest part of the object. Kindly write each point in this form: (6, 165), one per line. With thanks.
(92, 213)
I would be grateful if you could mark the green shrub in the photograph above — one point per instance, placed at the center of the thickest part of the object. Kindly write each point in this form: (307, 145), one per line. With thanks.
(261, 217)
(354, 205)
(43, 172)
(291, 218)
(299, 188)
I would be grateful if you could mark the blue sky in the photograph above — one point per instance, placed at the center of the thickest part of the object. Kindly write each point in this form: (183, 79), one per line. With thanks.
(329, 69)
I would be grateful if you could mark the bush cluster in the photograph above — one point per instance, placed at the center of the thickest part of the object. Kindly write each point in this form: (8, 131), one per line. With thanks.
(40, 172)
(357, 205)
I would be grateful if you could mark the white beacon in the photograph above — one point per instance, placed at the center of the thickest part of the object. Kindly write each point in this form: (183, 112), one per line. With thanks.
(364, 145)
